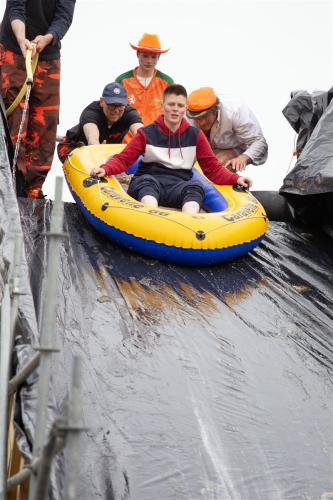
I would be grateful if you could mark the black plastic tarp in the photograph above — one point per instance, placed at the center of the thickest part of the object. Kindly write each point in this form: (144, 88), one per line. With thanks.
(303, 112)
(26, 327)
(309, 185)
(211, 383)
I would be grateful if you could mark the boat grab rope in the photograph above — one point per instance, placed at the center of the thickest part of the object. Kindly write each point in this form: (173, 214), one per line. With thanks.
(85, 173)
(117, 206)
(107, 205)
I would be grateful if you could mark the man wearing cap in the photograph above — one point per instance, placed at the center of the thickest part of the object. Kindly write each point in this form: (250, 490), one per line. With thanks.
(231, 127)
(145, 84)
(105, 121)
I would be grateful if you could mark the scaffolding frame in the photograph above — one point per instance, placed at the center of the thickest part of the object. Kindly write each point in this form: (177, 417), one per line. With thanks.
(65, 429)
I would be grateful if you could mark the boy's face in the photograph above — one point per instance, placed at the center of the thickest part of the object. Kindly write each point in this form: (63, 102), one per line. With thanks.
(147, 61)
(174, 107)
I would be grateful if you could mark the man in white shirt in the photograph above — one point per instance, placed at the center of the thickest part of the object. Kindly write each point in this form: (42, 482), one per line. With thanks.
(231, 127)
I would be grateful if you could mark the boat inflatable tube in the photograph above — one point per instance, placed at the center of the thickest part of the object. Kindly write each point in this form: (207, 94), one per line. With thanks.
(235, 223)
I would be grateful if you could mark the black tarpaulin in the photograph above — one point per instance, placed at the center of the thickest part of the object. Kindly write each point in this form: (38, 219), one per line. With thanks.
(27, 337)
(309, 185)
(211, 383)
(303, 112)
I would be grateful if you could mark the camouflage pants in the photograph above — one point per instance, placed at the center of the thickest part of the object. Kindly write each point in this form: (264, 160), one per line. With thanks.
(39, 132)
(65, 147)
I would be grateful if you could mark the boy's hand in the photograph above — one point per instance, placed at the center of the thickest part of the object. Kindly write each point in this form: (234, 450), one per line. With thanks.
(97, 172)
(245, 182)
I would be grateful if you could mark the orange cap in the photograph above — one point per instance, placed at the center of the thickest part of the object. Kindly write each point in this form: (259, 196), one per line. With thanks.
(200, 102)
(150, 44)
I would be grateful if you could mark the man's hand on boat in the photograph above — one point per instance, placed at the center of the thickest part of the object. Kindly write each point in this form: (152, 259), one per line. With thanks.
(97, 172)
(245, 181)
(238, 163)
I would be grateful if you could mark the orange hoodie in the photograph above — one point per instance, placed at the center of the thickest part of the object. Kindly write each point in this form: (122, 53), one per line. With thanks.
(147, 100)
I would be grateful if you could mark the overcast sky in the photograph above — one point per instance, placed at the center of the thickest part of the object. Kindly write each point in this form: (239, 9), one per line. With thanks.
(258, 51)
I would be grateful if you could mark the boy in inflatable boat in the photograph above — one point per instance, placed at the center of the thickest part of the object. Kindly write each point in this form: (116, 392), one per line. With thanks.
(170, 146)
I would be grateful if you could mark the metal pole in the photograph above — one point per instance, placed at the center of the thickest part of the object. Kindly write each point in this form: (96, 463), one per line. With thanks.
(23, 475)
(47, 327)
(73, 432)
(23, 374)
(18, 478)
(9, 311)
(55, 443)
(5, 364)
(14, 283)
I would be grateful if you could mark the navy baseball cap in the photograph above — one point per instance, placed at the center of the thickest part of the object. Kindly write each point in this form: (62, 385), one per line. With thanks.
(115, 93)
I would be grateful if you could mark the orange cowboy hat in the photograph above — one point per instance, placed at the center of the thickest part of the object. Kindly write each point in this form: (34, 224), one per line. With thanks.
(150, 44)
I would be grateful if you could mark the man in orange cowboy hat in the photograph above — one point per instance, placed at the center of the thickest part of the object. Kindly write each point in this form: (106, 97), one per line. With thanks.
(145, 84)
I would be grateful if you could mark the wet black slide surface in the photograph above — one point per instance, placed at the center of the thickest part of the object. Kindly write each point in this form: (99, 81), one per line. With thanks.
(211, 383)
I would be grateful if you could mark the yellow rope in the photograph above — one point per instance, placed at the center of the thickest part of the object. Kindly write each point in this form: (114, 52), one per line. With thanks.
(30, 68)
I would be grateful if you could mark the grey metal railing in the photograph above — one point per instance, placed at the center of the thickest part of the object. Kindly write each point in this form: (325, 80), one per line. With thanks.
(65, 429)
(4, 377)
(47, 345)
(9, 310)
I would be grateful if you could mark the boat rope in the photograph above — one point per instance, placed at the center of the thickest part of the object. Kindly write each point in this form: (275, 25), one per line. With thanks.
(156, 215)
(106, 205)
(86, 173)
(220, 226)
(117, 206)
(99, 192)
(196, 232)
(74, 167)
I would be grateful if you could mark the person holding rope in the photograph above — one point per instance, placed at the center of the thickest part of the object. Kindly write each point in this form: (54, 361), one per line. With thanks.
(37, 25)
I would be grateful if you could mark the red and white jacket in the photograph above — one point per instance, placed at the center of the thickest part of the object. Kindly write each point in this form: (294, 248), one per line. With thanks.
(177, 150)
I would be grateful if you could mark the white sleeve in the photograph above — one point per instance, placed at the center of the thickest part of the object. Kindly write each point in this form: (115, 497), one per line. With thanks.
(248, 131)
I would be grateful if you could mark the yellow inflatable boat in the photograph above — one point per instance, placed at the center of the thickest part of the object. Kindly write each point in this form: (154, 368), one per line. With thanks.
(233, 223)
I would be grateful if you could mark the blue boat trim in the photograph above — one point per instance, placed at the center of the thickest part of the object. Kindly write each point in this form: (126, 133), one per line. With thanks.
(176, 255)
(213, 201)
